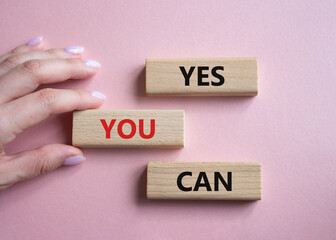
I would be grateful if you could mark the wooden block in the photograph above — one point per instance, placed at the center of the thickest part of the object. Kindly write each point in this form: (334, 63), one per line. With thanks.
(128, 128)
(204, 180)
(202, 77)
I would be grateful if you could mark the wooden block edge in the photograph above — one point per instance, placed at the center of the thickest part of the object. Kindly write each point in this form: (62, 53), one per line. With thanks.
(177, 146)
(149, 93)
(198, 199)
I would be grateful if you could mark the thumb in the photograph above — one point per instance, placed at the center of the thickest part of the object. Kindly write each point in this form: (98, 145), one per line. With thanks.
(29, 164)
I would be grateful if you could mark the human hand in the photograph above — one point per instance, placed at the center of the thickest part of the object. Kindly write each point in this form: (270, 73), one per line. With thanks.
(22, 70)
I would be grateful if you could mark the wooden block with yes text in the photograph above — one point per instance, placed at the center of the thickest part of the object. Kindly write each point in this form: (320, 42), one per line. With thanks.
(202, 77)
(204, 180)
(128, 128)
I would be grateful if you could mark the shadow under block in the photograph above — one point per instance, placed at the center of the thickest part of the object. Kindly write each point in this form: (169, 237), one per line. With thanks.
(128, 128)
(204, 180)
(202, 77)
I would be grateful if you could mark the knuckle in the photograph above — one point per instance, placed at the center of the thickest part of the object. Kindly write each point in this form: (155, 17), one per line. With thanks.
(73, 65)
(55, 52)
(71, 61)
(81, 93)
(43, 164)
(32, 66)
(42, 167)
(47, 96)
(14, 51)
(12, 61)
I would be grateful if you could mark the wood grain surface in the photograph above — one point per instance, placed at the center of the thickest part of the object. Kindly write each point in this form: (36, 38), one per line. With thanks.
(89, 131)
(164, 77)
(163, 180)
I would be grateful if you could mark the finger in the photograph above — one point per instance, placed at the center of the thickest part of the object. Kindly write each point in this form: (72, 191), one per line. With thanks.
(29, 75)
(32, 45)
(31, 109)
(29, 164)
(17, 59)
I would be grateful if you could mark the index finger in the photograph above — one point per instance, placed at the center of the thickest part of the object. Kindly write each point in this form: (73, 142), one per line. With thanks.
(33, 108)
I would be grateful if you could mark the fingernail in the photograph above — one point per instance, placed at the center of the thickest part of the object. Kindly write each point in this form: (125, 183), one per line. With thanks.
(97, 94)
(92, 63)
(74, 50)
(73, 160)
(34, 41)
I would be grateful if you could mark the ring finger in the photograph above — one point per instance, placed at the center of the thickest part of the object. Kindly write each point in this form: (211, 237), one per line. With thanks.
(17, 59)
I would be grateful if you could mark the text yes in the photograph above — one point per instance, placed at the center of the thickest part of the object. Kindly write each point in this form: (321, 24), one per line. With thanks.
(201, 75)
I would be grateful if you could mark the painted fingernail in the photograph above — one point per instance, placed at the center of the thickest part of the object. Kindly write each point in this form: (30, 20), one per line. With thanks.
(73, 160)
(74, 50)
(97, 94)
(34, 41)
(92, 63)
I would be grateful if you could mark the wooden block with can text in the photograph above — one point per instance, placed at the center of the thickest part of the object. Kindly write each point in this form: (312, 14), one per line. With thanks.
(202, 77)
(128, 128)
(204, 180)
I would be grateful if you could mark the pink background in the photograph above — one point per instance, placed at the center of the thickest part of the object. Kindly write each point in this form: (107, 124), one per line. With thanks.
(289, 127)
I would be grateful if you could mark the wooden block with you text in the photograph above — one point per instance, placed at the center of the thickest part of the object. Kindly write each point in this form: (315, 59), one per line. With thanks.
(204, 180)
(128, 128)
(202, 77)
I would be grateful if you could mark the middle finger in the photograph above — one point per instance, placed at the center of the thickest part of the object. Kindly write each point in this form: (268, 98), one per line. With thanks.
(17, 59)
(28, 76)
